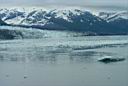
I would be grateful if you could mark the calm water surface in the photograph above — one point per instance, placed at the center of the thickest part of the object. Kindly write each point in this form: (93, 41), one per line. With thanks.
(71, 61)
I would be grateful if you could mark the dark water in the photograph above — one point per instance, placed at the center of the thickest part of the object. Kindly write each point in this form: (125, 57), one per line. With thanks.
(71, 61)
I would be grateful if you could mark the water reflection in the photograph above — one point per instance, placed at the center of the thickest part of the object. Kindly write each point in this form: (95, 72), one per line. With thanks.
(1, 58)
(46, 57)
(66, 51)
(99, 46)
(87, 56)
(51, 55)
(82, 56)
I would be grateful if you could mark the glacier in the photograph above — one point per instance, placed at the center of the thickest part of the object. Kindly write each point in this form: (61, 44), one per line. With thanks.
(11, 32)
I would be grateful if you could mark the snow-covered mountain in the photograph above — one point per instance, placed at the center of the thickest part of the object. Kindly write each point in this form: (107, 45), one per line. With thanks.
(74, 19)
(2, 22)
(41, 16)
(113, 16)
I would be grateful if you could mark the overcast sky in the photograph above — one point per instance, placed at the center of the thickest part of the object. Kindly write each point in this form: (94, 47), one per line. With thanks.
(122, 3)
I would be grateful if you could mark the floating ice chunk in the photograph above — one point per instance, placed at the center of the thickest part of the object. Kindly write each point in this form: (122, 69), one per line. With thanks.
(109, 59)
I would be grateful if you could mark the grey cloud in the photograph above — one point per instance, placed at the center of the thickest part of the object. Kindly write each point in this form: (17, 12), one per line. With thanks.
(66, 2)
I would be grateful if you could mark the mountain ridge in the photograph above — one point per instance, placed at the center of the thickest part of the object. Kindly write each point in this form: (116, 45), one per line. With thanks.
(73, 19)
